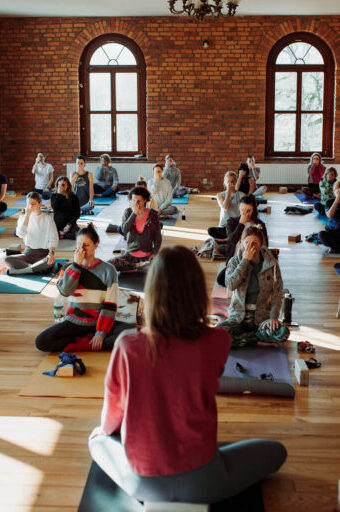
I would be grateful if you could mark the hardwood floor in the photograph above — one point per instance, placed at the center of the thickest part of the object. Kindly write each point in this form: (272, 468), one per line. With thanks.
(43, 441)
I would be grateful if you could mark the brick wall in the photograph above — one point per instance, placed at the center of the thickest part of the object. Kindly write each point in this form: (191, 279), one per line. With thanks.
(207, 106)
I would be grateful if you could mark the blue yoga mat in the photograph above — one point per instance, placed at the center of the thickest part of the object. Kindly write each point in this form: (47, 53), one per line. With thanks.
(181, 200)
(27, 284)
(256, 361)
(2, 229)
(104, 200)
(169, 222)
(95, 210)
(337, 268)
(303, 198)
(321, 218)
(23, 202)
(11, 211)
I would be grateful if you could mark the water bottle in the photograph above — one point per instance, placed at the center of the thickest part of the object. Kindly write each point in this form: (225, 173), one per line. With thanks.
(183, 214)
(287, 308)
(58, 309)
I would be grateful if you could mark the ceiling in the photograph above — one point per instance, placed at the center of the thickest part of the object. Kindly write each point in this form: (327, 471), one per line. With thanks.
(156, 7)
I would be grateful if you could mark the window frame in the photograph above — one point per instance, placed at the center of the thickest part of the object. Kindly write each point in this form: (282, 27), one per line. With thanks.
(84, 94)
(328, 95)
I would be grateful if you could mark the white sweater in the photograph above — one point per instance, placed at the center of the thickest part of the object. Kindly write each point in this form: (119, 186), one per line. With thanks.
(41, 232)
(161, 191)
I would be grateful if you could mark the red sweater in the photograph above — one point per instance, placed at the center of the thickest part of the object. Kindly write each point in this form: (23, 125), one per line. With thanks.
(166, 413)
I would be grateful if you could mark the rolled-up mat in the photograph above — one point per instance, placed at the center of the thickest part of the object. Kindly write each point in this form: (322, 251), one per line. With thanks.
(101, 494)
(258, 361)
(306, 199)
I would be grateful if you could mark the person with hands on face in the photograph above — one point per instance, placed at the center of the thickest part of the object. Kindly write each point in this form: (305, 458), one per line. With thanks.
(43, 174)
(82, 182)
(254, 172)
(92, 288)
(142, 230)
(161, 191)
(236, 225)
(229, 203)
(253, 275)
(245, 182)
(66, 209)
(331, 236)
(40, 235)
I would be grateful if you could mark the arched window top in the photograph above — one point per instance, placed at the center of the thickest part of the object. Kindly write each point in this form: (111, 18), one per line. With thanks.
(299, 53)
(113, 54)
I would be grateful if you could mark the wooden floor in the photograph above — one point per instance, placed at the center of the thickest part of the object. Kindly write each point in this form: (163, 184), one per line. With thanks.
(43, 441)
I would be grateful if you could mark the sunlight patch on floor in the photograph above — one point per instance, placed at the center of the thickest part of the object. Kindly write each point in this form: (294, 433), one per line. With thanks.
(315, 336)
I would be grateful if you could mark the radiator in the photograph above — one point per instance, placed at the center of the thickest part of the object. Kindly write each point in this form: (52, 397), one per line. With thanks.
(127, 172)
(282, 174)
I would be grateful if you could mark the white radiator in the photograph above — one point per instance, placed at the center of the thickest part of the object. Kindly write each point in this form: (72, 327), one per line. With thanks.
(127, 172)
(290, 174)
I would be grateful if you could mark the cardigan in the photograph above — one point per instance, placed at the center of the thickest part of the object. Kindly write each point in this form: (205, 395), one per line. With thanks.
(149, 241)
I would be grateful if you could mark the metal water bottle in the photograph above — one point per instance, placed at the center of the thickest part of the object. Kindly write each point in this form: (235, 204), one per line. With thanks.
(183, 214)
(287, 308)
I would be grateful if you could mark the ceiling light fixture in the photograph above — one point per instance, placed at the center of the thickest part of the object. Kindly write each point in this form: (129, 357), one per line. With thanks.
(200, 8)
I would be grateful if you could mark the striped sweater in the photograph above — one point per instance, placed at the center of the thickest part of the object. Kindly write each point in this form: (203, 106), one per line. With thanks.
(93, 294)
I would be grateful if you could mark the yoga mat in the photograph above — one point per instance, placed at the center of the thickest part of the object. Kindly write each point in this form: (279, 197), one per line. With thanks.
(23, 201)
(104, 200)
(2, 229)
(101, 494)
(330, 255)
(11, 211)
(95, 211)
(322, 218)
(67, 245)
(181, 200)
(261, 200)
(28, 284)
(258, 360)
(220, 297)
(132, 280)
(169, 222)
(89, 385)
(306, 199)
(337, 268)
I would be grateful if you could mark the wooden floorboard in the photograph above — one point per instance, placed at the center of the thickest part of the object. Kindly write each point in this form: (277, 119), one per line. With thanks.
(43, 441)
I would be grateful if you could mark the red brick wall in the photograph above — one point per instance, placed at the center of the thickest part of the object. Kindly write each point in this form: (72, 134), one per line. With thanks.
(207, 106)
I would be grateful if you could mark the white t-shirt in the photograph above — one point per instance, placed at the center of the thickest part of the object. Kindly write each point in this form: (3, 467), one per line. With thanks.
(41, 232)
(42, 175)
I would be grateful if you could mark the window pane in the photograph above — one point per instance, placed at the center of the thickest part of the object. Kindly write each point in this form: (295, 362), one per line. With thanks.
(299, 53)
(127, 132)
(101, 132)
(312, 91)
(284, 132)
(113, 54)
(126, 91)
(311, 132)
(100, 91)
(285, 91)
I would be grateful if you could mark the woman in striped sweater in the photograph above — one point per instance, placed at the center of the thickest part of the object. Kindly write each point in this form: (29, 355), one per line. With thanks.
(92, 287)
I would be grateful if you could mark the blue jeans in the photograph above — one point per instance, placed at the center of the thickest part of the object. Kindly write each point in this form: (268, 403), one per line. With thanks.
(234, 467)
(105, 192)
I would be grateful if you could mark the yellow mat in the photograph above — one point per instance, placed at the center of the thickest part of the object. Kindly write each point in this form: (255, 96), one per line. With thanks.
(89, 385)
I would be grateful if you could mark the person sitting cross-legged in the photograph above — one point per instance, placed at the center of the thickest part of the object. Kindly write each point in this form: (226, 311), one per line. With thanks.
(142, 229)
(326, 187)
(330, 237)
(161, 191)
(92, 287)
(106, 177)
(253, 275)
(66, 209)
(158, 434)
(40, 235)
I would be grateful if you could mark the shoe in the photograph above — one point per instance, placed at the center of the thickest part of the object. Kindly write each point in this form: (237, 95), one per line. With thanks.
(312, 363)
(305, 346)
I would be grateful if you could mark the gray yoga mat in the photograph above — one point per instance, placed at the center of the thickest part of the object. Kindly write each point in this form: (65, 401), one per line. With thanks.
(257, 361)
(101, 494)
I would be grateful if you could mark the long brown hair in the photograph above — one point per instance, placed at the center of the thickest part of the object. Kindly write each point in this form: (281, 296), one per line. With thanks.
(176, 299)
(68, 183)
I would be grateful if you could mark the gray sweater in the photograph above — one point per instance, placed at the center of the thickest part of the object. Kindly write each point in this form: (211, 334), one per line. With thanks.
(269, 299)
(173, 174)
(161, 191)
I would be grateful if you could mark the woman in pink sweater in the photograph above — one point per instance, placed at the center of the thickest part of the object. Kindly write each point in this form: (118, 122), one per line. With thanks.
(158, 433)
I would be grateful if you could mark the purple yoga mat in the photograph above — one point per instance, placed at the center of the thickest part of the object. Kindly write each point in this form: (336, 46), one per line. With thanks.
(256, 361)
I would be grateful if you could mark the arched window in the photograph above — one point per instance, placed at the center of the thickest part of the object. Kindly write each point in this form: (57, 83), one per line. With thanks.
(112, 97)
(300, 97)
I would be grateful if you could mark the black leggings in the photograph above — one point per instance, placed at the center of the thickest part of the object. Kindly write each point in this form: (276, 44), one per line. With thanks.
(331, 239)
(3, 207)
(58, 336)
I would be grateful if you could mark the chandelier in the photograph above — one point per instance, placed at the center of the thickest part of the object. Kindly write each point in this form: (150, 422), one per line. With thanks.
(200, 8)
